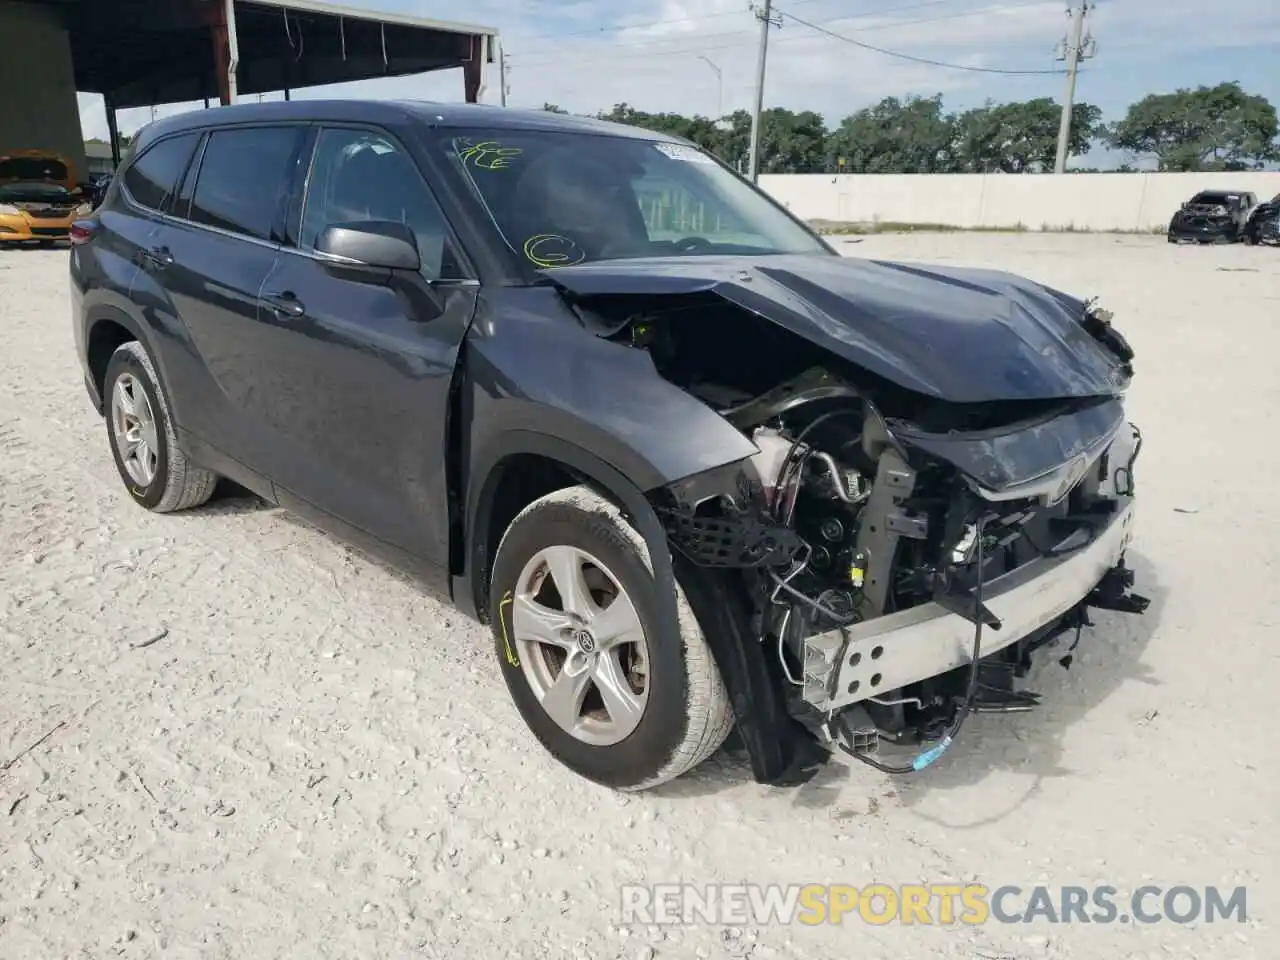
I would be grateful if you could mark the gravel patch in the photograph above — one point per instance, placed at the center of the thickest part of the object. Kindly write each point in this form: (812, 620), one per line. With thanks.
(226, 735)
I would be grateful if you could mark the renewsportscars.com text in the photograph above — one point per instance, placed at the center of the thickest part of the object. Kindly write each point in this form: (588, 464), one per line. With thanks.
(928, 904)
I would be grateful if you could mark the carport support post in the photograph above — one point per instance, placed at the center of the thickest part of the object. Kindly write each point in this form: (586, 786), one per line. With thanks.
(113, 129)
(226, 51)
(473, 69)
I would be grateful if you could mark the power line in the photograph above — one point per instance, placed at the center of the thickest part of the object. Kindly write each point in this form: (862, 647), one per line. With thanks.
(619, 27)
(748, 31)
(914, 59)
(746, 34)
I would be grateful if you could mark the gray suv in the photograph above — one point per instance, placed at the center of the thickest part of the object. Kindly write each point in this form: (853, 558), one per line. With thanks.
(694, 468)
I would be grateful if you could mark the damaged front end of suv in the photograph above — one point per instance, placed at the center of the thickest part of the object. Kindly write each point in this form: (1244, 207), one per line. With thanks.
(943, 483)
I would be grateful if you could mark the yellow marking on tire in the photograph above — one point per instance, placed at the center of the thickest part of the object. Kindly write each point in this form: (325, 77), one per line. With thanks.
(502, 620)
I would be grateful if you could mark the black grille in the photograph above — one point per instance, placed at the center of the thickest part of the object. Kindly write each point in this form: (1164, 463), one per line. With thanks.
(49, 231)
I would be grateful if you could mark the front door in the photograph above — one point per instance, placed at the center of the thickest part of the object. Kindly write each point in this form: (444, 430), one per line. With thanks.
(357, 374)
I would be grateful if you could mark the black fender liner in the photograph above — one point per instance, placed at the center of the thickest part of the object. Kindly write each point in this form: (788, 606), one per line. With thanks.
(772, 740)
(106, 313)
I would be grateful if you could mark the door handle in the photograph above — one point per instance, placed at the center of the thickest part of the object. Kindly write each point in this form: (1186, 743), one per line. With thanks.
(284, 304)
(159, 257)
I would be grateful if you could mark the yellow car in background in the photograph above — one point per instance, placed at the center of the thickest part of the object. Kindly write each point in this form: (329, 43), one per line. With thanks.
(38, 199)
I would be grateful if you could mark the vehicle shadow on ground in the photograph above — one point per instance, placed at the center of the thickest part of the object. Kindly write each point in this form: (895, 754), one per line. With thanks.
(1109, 656)
(231, 498)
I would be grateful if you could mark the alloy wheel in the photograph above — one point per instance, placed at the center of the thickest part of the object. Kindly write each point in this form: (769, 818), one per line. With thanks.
(581, 644)
(133, 424)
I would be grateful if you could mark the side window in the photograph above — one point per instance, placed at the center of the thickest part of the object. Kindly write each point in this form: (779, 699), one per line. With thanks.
(358, 175)
(155, 173)
(242, 180)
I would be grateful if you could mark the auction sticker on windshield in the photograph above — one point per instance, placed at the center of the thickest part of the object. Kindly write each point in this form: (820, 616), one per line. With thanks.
(677, 152)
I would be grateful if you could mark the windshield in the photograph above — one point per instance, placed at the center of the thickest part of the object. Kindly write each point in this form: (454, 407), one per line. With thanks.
(561, 198)
(1221, 199)
(32, 168)
(33, 193)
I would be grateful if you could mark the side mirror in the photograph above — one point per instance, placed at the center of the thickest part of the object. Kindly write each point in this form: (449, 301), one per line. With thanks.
(376, 244)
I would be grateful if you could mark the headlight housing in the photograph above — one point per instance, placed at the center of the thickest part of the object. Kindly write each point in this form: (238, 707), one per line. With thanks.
(83, 210)
(8, 210)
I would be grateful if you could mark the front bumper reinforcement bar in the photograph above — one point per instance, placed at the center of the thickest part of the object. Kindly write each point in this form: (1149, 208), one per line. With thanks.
(873, 658)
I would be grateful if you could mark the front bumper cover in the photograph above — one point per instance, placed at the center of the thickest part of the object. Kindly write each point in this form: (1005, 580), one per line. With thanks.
(27, 230)
(1225, 230)
(845, 666)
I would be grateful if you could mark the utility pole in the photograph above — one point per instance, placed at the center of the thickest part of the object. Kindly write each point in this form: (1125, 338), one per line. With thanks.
(764, 14)
(1076, 47)
(502, 75)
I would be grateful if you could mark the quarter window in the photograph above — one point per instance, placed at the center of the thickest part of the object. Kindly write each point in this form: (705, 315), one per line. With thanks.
(152, 177)
(361, 176)
(244, 179)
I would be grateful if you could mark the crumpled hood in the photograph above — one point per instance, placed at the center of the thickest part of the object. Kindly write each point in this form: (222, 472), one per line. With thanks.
(962, 335)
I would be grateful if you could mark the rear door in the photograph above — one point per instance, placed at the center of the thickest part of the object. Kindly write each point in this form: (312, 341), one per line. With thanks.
(210, 258)
(104, 274)
(128, 227)
(357, 374)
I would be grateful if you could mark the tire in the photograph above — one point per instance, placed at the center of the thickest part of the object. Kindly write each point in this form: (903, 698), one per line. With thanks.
(681, 715)
(174, 482)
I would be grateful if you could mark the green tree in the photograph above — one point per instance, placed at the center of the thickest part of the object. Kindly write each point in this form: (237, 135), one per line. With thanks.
(894, 136)
(1020, 137)
(790, 142)
(1208, 128)
(554, 108)
(698, 129)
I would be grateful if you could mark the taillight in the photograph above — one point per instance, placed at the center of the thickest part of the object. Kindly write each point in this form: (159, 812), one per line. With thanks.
(81, 232)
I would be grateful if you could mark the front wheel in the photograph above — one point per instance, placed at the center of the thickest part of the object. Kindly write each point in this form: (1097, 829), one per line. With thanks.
(605, 690)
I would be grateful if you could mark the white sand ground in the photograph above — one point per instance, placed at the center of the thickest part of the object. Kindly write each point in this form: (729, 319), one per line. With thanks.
(316, 761)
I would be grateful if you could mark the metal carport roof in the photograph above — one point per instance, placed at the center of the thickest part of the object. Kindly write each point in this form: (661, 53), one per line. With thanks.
(139, 53)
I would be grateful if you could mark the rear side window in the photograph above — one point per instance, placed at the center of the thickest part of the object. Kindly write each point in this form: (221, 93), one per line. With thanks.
(154, 174)
(244, 178)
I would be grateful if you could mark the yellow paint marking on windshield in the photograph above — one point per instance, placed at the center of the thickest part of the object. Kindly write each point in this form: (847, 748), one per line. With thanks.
(551, 250)
(490, 155)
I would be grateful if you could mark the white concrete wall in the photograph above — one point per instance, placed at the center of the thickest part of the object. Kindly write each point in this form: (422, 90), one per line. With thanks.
(1083, 201)
(38, 109)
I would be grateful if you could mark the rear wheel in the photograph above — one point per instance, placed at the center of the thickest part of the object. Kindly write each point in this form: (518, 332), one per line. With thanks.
(154, 469)
(605, 690)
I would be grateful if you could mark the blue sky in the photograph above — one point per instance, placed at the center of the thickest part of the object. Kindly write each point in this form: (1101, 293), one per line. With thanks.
(587, 55)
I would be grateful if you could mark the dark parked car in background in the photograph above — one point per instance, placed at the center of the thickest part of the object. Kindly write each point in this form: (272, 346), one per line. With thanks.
(1212, 216)
(1263, 225)
(95, 189)
(693, 467)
